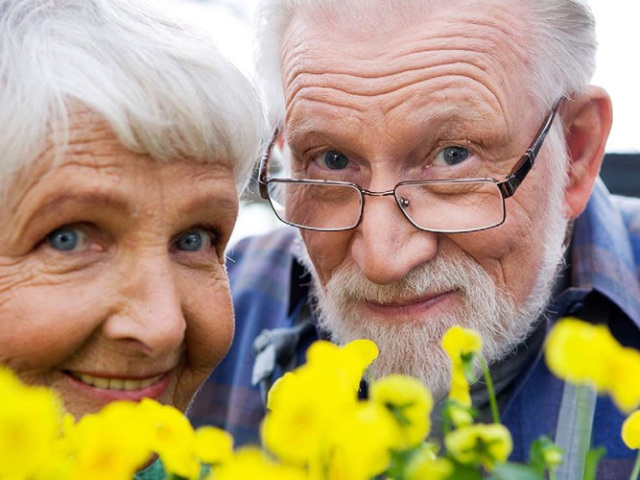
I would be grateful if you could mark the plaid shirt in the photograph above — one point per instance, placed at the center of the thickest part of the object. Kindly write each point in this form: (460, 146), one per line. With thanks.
(270, 288)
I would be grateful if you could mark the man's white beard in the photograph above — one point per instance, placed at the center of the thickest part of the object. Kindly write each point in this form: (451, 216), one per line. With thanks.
(413, 348)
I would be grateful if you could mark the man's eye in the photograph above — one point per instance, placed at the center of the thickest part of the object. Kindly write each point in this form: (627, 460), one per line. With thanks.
(452, 156)
(67, 239)
(335, 160)
(194, 241)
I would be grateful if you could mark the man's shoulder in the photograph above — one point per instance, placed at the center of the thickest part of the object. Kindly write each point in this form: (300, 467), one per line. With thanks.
(260, 271)
(629, 208)
(262, 250)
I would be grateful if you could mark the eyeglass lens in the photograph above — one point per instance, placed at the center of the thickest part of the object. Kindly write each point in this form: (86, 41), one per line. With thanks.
(446, 206)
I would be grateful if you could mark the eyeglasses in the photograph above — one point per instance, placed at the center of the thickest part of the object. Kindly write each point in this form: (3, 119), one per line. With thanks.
(440, 206)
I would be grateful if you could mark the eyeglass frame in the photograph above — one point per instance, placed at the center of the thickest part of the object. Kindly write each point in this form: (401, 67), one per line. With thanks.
(507, 187)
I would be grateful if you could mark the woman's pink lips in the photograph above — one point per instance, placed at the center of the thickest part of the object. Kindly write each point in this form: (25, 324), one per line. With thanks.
(155, 390)
(411, 307)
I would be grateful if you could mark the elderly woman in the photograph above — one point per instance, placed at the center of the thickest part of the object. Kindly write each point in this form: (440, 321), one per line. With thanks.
(124, 140)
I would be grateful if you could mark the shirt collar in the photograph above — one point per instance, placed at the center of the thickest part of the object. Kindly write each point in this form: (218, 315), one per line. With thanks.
(602, 256)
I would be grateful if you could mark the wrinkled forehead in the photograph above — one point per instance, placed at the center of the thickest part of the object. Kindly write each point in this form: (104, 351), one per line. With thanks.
(370, 50)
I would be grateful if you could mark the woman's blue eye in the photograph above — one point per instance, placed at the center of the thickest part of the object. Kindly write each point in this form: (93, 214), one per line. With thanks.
(66, 239)
(193, 241)
(335, 160)
(455, 155)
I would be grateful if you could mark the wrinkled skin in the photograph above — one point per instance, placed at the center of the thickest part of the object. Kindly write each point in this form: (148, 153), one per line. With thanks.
(391, 96)
(142, 293)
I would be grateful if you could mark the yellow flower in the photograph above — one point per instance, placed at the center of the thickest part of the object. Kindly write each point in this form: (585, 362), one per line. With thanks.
(459, 342)
(360, 447)
(410, 403)
(485, 445)
(460, 415)
(351, 359)
(250, 463)
(109, 445)
(631, 431)
(623, 366)
(30, 423)
(213, 445)
(303, 407)
(580, 353)
(424, 465)
(459, 390)
(172, 438)
(304, 404)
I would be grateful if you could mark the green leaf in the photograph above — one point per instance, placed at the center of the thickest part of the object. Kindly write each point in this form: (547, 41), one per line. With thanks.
(591, 462)
(515, 471)
(463, 472)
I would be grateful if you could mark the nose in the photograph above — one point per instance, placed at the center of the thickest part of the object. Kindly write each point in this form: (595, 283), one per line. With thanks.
(149, 310)
(386, 246)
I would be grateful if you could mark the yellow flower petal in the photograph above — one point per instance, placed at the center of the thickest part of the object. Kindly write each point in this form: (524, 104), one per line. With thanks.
(213, 445)
(424, 465)
(459, 341)
(30, 423)
(249, 463)
(486, 445)
(410, 403)
(623, 366)
(360, 443)
(631, 431)
(580, 353)
(173, 438)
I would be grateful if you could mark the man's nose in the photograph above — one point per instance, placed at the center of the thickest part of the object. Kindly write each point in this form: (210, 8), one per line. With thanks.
(150, 310)
(386, 246)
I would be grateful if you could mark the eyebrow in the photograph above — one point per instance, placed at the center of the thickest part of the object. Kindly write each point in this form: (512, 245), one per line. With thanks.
(54, 202)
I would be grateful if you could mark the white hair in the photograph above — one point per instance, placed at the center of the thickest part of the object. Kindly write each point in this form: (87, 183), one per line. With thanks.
(162, 86)
(562, 42)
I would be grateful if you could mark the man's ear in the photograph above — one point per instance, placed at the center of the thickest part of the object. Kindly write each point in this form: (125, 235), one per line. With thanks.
(587, 122)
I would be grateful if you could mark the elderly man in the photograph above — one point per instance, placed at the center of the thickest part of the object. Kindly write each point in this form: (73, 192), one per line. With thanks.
(441, 163)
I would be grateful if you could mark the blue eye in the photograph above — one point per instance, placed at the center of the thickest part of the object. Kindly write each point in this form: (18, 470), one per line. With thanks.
(454, 155)
(335, 160)
(193, 241)
(66, 239)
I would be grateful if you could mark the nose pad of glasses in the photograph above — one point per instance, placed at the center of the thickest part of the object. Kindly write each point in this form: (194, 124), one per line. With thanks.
(403, 202)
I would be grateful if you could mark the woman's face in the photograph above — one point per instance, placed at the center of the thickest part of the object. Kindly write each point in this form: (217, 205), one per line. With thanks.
(112, 276)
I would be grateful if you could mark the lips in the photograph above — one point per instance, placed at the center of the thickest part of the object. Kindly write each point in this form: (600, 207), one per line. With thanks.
(410, 307)
(107, 383)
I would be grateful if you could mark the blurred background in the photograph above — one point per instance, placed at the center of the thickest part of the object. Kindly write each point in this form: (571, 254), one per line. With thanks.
(230, 23)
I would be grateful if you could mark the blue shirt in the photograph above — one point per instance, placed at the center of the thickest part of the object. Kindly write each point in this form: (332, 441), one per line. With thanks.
(269, 288)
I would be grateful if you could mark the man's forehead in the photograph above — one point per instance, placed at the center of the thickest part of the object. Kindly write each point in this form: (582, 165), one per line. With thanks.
(487, 39)
(493, 20)
(487, 26)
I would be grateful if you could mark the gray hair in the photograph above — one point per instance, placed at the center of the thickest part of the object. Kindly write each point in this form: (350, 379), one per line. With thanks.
(562, 57)
(161, 86)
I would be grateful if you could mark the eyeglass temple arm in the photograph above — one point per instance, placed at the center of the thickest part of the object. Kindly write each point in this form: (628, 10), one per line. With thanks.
(264, 166)
(523, 167)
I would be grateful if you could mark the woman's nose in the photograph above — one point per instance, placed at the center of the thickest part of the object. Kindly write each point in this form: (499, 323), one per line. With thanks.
(150, 311)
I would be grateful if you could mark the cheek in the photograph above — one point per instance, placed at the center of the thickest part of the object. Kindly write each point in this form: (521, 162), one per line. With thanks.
(511, 254)
(43, 325)
(327, 250)
(209, 315)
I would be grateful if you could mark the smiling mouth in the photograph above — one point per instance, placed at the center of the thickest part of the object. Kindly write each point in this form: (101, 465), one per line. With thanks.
(115, 383)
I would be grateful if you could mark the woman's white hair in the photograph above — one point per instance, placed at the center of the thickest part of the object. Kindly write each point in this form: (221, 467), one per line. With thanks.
(162, 86)
(562, 42)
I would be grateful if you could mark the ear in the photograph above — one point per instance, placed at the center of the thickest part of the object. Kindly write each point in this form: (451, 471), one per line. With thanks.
(587, 122)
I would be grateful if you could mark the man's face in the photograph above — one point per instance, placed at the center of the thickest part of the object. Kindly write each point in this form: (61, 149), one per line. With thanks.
(437, 94)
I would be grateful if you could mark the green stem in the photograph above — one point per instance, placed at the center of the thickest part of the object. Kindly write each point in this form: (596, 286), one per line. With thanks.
(636, 468)
(490, 390)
